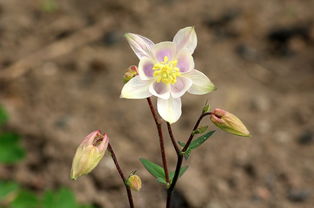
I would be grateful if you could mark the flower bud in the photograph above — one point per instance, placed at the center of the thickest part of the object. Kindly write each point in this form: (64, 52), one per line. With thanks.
(229, 122)
(134, 182)
(131, 72)
(89, 153)
(206, 108)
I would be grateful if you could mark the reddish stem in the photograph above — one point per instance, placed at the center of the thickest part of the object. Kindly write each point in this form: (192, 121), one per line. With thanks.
(158, 122)
(128, 190)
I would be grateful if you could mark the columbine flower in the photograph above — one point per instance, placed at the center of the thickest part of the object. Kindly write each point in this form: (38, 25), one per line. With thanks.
(166, 70)
(89, 154)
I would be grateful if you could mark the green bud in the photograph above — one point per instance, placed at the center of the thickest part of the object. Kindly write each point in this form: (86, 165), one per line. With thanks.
(229, 123)
(134, 182)
(89, 154)
(206, 108)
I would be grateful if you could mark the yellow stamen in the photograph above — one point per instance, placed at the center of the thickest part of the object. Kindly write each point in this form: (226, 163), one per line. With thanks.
(166, 71)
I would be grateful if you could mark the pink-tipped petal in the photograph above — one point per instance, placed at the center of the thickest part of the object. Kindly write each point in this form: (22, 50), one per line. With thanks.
(180, 87)
(145, 68)
(201, 83)
(160, 90)
(169, 109)
(140, 45)
(136, 89)
(163, 49)
(186, 38)
(185, 61)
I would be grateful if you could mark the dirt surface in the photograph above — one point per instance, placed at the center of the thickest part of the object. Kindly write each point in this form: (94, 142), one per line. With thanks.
(61, 70)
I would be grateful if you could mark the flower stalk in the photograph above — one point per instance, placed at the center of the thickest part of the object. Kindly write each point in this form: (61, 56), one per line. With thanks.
(127, 187)
(180, 157)
(158, 123)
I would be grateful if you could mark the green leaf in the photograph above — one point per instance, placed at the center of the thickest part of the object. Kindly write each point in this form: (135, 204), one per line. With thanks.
(8, 138)
(86, 206)
(182, 144)
(10, 148)
(25, 199)
(200, 140)
(161, 180)
(3, 116)
(182, 171)
(63, 198)
(200, 130)
(7, 187)
(195, 143)
(187, 153)
(152, 168)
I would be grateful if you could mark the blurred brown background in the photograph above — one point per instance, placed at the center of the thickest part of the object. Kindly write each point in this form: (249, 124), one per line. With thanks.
(61, 66)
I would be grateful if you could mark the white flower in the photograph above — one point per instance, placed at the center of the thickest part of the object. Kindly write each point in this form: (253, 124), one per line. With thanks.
(166, 70)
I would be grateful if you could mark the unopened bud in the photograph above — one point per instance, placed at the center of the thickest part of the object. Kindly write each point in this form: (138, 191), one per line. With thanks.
(134, 182)
(89, 154)
(131, 72)
(229, 122)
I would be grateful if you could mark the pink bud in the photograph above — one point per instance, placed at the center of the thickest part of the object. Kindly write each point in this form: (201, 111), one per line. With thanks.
(130, 73)
(229, 122)
(89, 153)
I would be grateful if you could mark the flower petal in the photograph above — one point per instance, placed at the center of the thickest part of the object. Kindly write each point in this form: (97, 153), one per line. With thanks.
(145, 68)
(136, 89)
(201, 84)
(186, 38)
(170, 109)
(163, 49)
(180, 87)
(140, 45)
(185, 61)
(160, 90)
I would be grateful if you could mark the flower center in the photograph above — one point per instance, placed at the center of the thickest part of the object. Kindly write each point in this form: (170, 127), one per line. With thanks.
(166, 71)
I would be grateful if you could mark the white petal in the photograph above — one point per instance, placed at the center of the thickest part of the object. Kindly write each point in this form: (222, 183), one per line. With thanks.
(170, 109)
(160, 90)
(145, 68)
(140, 45)
(185, 61)
(136, 89)
(201, 84)
(186, 38)
(180, 87)
(163, 49)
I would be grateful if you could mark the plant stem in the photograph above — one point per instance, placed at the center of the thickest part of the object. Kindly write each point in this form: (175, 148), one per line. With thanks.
(128, 190)
(180, 158)
(195, 127)
(173, 140)
(158, 122)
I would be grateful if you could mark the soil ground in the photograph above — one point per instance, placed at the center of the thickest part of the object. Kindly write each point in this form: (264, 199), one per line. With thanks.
(61, 70)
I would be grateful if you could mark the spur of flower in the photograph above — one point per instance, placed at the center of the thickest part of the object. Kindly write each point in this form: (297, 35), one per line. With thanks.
(166, 70)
